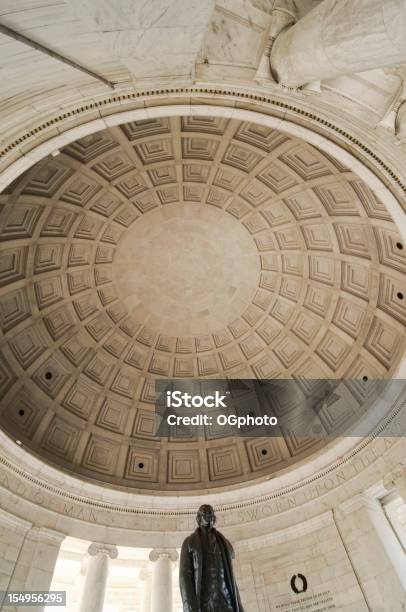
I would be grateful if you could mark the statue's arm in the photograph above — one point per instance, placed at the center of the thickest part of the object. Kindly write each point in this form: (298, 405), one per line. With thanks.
(230, 548)
(187, 580)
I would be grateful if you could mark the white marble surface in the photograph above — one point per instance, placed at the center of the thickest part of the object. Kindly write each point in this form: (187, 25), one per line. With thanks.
(130, 30)
(134, 44)
(341, 38)
(212, 263)
(38, 89)
(348, 556)
(342, 558)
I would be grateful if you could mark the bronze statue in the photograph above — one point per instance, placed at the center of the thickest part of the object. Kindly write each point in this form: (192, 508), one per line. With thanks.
(206, 577)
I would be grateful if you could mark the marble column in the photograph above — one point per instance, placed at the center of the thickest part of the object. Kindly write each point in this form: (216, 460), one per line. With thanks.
(161, 597)
(146, 577)
(94, 589)
(35, 564)
(374, 551)
(338, 38)
(396, 481)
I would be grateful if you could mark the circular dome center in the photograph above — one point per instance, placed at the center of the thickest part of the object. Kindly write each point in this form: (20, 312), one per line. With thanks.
(190, 269)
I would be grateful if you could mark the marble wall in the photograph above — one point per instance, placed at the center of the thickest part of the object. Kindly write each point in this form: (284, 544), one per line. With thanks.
(12, 533)
(338, 560)
(347, 559)
(28, 554)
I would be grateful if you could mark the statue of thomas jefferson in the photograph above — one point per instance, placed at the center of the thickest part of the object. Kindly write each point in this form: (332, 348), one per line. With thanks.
(206, 575)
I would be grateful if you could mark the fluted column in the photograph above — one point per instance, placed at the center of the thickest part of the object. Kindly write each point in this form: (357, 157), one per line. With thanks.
(340, 37)
(146, 577)
(94, 589)
(161, 596)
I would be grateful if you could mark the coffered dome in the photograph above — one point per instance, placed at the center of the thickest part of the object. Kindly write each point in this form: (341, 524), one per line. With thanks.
(185, 247)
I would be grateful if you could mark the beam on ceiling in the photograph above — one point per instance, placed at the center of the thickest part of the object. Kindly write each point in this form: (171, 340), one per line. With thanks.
(60, 58)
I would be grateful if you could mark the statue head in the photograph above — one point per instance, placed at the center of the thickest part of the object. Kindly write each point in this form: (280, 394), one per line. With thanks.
(205, 516)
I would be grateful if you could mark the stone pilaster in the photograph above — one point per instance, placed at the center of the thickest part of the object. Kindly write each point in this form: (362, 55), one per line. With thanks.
(396, 481)
(12, 533)
(35, 564)
(374, 551)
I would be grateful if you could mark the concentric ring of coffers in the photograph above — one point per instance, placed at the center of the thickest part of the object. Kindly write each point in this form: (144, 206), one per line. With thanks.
(300, 277)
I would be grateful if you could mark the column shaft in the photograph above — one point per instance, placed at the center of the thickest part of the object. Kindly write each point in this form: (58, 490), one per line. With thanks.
(145, 576)
(161, 596)
(94, 589)
(340, 37)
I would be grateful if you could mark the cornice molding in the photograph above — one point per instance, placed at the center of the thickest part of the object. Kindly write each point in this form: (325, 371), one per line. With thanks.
(299, 110)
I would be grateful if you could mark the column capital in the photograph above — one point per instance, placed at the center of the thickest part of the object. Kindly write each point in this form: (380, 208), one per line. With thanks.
(163, 553)
(99, 548)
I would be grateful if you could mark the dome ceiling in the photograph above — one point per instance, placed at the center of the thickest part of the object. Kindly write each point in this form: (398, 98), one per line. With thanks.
(185, 247)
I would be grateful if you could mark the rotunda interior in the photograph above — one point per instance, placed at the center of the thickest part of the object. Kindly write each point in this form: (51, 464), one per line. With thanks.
(186, 247)
(197, 192)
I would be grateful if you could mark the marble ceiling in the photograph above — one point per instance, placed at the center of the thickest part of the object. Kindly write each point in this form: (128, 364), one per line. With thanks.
(185, 247)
